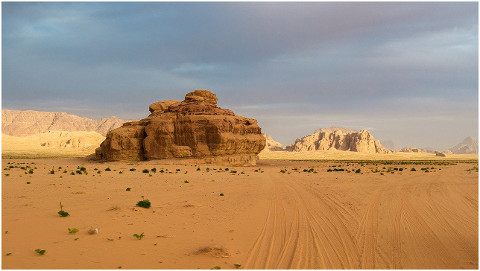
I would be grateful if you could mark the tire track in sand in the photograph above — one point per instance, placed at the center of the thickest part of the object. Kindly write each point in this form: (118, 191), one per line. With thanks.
(313, 237)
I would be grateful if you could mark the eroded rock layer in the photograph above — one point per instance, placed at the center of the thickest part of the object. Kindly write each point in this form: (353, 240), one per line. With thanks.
(340, 139)
(194, 128)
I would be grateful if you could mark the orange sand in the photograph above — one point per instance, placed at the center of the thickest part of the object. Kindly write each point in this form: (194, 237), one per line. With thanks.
(266, 218)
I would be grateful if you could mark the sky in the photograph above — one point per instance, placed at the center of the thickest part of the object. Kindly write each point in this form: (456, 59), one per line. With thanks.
(405, 71)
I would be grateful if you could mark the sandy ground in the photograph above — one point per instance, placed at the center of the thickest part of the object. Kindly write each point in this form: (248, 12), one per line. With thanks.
(274, 215)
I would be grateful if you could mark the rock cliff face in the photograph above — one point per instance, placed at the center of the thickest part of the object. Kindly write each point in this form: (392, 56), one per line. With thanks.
(25, 123)
(340, 139)
(195, 128)
(272, 145)
(468, 145)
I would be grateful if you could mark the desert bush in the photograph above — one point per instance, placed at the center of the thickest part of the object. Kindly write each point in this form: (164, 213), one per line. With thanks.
(72, 231)
(145, 171)
(139, 236)
(62, 213)
(144, 203)
(40, 251)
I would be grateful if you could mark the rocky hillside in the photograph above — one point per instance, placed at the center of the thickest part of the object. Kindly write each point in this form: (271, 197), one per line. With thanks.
(272, 145)
(340, 139)
(468, 145)
(25, 123)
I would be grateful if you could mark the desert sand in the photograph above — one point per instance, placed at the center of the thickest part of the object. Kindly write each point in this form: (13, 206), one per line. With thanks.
(278, 214)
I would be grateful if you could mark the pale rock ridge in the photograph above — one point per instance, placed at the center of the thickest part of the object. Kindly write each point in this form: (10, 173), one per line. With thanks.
(468, 145)
(271, 144)
(390, 145)
(413, 149)
(29, 122)
(340, 139)
(195, 128)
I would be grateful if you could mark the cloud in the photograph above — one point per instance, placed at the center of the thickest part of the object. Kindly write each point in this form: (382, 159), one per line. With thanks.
(314, 64)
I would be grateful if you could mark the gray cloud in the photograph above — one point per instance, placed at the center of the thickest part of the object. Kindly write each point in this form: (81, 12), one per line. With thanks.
(336, 63)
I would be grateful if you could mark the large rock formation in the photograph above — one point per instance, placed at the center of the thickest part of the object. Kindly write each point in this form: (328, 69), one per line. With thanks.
(340, 139)
(29, 122)
(468, 145)
(195, 128)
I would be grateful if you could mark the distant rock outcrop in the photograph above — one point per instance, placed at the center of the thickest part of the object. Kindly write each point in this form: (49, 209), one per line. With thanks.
(25, 123)
(195, 128)
(413, 149)
(468, 145)
(271, 144)
(390, 145)
(340, 139)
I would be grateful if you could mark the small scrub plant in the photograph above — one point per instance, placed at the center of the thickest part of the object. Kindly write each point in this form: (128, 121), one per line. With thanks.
(186, 181)
(357, 171)
(72, 231)
(145, 171)
(216, 267)
(237, 265)
(128, 189)
(108, 169)
(40, 251)
(139, 236)
(52, 171)
(154, 170)
(62, 213)
(30, 171)
(221, 195)
(133, 169)
(28, 182)
(144, 203)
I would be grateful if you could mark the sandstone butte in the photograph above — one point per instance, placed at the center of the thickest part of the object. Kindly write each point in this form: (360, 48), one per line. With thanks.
(338, 138)
(193, 129)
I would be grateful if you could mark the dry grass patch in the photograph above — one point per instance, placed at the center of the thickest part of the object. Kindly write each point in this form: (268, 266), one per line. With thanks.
(217, 252)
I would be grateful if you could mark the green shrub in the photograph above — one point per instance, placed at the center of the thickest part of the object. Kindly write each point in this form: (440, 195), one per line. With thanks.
(62, 213)
(144, 203)
(72, 231)
(139, 236)
(145, 171)
(40, 251)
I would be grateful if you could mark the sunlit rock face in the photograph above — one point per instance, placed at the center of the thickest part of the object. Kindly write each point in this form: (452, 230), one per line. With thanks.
(195, 128)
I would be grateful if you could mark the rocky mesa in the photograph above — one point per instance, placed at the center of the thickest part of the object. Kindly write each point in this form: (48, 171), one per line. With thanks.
(195, 128)
(340, 139)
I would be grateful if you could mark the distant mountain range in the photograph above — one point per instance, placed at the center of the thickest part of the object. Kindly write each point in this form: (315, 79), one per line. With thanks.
(19, 123)
(351, 140)
(24, 123)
